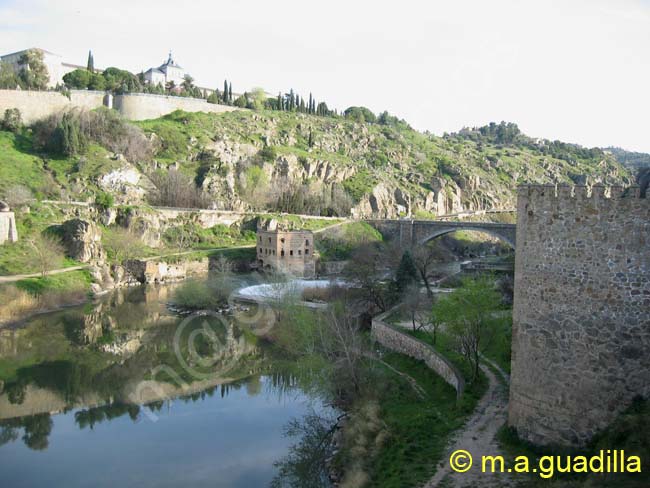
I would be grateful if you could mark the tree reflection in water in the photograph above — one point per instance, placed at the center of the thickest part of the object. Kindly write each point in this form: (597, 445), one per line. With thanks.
(306, 465)
(36, 430)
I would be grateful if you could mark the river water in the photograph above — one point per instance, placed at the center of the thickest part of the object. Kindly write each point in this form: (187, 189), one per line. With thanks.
(110, 394)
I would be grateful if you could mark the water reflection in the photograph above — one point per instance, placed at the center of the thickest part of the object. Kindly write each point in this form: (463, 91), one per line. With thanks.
(67, 383)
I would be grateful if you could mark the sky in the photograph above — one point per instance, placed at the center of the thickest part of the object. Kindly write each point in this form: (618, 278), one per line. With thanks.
(573, 70)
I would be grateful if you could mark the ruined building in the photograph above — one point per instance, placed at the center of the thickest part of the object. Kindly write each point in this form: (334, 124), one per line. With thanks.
(8, 232)
(287, 251)
(581, 329)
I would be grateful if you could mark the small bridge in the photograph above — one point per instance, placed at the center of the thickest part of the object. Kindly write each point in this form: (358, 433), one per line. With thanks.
(416, 232)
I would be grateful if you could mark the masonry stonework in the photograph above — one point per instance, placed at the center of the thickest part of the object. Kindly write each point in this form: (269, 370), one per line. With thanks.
(35, 105)
(399, 341)
(581, 330)
(288, 251)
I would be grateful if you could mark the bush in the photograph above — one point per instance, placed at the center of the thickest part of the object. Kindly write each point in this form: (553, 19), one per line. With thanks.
(360, 114)
(12, 120)
(104, 200)
(69, 132)
(268, 154)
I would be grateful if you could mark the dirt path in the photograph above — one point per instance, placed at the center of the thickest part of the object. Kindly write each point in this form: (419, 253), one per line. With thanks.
(11, 278)
(478, 438)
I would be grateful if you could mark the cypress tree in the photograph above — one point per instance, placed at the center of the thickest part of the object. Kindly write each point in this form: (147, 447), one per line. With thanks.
(225, 91)
(310, 109)
(230, 92)
(91, 62)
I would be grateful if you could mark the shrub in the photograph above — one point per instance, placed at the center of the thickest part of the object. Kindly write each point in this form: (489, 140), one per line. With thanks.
(69, 132)
(360, 114)
(12, 120)
(268, 154)
(104, 200)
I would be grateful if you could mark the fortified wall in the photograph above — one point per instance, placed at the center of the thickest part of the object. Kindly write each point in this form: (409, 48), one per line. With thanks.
(34, 105)
(144, 106)
(581, 330)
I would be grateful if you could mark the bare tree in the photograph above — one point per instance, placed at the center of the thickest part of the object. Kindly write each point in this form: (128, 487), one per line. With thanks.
(17, 195)
(174, 189)
(122, 244)
(48, 252)
(364, 270)
(345, 348)
(425, 257)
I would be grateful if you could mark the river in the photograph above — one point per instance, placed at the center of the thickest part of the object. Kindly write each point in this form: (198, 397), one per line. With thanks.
(110, 394)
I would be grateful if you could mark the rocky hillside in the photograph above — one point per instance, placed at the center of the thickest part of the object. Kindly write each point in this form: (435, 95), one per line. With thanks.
(300, 163)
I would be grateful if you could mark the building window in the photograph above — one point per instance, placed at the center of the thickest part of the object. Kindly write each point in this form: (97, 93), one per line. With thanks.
(260, 238)
(299, 252)
(282, 253)
(274, 252)
(306, 242)
(260, 249)
(269, 240)
(291, 253)
(306, 251)
(282, 240)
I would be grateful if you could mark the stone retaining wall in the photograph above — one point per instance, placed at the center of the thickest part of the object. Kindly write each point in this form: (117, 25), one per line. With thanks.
(143, 106)
(35, 105)
(396, 340)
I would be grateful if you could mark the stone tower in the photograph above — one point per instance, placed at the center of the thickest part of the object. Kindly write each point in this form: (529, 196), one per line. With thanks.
(581, 329)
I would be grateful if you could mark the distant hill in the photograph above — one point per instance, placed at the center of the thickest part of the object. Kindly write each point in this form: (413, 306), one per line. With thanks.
(630, 159)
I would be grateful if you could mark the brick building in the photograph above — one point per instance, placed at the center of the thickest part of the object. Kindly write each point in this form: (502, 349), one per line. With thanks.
(287, 251)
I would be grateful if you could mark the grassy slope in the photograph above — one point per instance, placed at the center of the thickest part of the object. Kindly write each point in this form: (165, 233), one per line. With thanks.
(418, 429)
(379, 153)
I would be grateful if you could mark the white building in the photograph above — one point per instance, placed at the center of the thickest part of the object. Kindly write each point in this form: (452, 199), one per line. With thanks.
(166, 72)
(53, 62)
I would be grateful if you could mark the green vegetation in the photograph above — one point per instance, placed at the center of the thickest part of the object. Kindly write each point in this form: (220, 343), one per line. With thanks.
(418, 429)
(71, 281)
(340, 242)
(630, 432)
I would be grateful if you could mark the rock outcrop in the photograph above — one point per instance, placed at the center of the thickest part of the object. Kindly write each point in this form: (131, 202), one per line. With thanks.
(82, 240)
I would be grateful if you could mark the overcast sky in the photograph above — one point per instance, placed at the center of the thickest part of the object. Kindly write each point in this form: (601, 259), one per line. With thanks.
(574, 70)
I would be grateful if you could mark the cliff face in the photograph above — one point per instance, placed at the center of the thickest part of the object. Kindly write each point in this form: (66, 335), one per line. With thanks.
(386, 171)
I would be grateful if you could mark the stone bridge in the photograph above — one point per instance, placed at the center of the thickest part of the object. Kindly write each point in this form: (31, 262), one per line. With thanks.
(415, 232)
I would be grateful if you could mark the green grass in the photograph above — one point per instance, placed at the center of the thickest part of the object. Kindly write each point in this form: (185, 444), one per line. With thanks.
(629, 432)
(418, 429)
(62, 282)
(299, 223)
(340, 242)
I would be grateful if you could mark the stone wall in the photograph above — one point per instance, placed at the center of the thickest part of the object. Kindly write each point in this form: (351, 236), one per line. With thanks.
(8, 231)
(396, 340)
(143, 106)
(581, 331)
(34, 105)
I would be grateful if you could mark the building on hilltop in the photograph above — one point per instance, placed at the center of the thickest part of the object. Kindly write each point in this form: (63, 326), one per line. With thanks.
(168, 72)
(54, 63)
(287, 251)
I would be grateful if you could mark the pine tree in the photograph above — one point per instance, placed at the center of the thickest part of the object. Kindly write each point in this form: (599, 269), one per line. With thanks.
(91, 62)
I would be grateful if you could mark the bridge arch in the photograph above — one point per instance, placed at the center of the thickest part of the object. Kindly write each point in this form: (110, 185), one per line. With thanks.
(441, 232)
